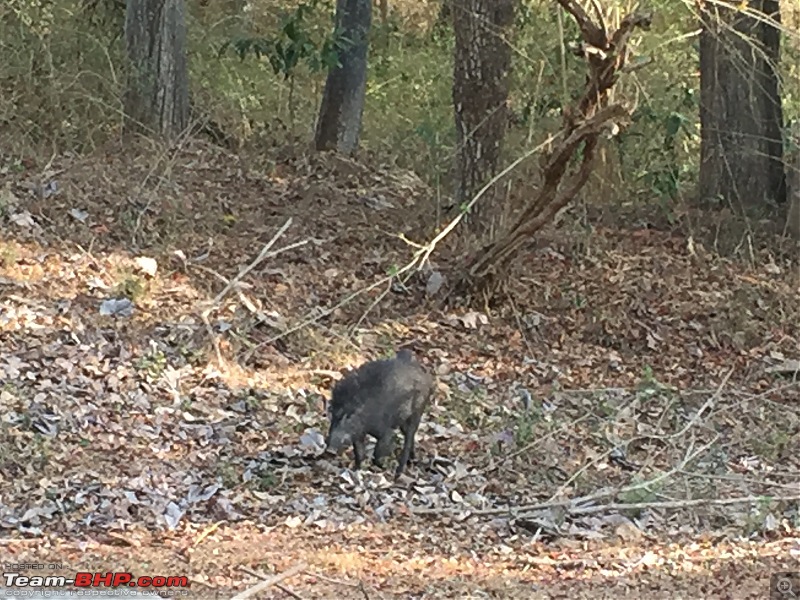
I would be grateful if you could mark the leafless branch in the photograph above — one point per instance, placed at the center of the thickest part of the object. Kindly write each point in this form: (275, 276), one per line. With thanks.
(668, 504)
(261, 586)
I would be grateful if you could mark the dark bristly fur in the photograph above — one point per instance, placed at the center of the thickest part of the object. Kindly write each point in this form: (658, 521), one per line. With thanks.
(375, 399)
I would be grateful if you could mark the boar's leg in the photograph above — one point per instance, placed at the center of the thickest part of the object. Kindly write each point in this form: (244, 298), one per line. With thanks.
(409, 431)
(359, 450)
(383, 447)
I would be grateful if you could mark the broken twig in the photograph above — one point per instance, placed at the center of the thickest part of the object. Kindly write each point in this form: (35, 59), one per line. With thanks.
(261, 586)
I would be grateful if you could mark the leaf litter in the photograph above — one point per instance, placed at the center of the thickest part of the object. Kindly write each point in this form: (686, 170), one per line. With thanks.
(567, 446)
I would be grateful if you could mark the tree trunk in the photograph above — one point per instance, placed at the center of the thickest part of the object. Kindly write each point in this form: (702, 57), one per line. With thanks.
(157, 97)
(339, 122)
(790, 16)
(741, 150)
(480, 92)
(793, 187)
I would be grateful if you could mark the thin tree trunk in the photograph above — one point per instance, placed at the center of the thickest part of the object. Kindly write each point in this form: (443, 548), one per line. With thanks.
(793, 188)
(482, 63)
(157, 98)
(339, 122)
(740, 107)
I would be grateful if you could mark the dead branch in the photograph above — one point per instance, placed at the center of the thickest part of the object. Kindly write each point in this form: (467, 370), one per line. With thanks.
(208, 307)
(667, 504)
(332, 580)
(606, 55)
(261, 256)
(261, 586)
(593, 34)
(569, 504)
(281, 587)
(532, 445)
(738, 479)
(363, 590)
(551, 198)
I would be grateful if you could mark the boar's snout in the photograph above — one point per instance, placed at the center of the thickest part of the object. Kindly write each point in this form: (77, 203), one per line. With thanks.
(337, 441)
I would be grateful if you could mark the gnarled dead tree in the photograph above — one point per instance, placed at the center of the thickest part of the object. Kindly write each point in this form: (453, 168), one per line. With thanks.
(606, 55)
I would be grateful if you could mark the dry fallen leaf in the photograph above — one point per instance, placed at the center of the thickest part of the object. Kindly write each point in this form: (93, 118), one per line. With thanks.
(146, 265)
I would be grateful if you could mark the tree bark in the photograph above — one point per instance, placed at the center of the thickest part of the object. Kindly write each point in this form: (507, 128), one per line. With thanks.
(741, 148)
(793, 188)
(482, 63)
(157, 96)
(339, 122)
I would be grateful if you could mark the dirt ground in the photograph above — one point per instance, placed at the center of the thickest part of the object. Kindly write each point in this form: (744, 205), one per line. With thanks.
(624, 424)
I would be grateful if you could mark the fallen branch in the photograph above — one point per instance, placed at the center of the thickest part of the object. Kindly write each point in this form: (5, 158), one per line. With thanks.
(264, 254)
(261, 575)
(206, 532)
(740, 480)
(527, 447)
(570, 504)
(591, 510)
(707, 404)
(261, 586)
(332, 580)
(681, 465)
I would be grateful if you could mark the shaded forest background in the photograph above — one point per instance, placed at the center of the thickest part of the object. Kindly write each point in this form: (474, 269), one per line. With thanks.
(65, 77)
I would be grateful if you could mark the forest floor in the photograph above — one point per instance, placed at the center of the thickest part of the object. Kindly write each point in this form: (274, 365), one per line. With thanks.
(625, 424)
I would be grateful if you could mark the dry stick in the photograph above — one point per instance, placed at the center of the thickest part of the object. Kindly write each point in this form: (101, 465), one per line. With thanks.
(762, 396)
(733, 479)
(538, 441)
(578, 473)
(288, 591)
(214, 341)
(261, 256)
(363, 589)
(261, 575)
(327, 311)
(207, 532)
(265, 252)
(380, 297)
(270, 582)
(420, 257)
(332, 580)
(520, 327)
(428, 249)
(706, 405)
(688, 426)
(688, 457)
(603, 493)
(591, 510)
